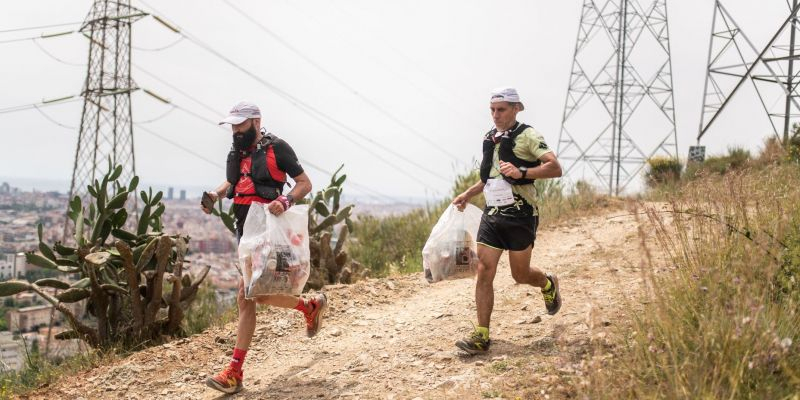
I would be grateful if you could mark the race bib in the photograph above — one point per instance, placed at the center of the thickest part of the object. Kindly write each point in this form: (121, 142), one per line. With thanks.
(498, 193)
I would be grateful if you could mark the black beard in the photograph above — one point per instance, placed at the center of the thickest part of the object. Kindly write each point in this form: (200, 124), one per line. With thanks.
(243, 141)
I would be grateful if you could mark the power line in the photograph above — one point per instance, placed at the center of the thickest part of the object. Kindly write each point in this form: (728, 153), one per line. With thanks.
(376, 36)
(363, 188)
(199, 156)
(39, 45)
(40, 36)
(37, 106)
(310, 110)
(49, 118)
(46, 103)
(158, 118)
(180, 39)
(180, 146)
(338, 80)
(305, 162)
(175, 88)
(30, 28)
(383, 42)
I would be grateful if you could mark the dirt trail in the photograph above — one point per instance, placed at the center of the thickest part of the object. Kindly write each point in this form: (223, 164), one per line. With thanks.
(393, 338)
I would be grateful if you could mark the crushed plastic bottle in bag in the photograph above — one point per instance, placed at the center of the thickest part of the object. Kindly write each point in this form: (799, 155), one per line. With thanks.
(450, 252)
(275, 252)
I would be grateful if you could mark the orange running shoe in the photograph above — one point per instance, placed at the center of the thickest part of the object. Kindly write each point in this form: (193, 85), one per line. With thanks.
(314, 317)
(228, 381)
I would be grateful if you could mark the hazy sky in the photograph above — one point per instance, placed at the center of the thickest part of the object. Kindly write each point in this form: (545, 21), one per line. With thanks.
(427, 64)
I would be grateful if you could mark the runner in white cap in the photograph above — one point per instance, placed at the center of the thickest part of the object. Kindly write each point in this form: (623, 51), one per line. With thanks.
(514, 155)
(257, 167)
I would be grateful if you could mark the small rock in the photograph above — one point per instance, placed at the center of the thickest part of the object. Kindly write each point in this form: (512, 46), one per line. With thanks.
(606, 322)
(390, 285)
(335, 332)
(537, 319)
(479, 363)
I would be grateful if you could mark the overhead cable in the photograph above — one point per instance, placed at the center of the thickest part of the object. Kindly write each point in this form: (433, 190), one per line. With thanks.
(308, 109)
(341, 82)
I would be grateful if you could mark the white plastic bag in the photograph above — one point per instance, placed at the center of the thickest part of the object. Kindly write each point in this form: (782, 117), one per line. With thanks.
(274, 251)
(450, 252)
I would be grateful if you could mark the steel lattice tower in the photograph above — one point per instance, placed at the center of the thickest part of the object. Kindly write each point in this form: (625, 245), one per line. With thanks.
(619, 109)
(733, 60)
(106, 129)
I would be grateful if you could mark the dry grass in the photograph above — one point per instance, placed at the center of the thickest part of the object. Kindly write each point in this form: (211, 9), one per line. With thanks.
(720, 319)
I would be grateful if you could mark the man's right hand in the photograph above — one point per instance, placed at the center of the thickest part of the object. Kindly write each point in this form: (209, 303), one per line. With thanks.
(461, 201)
(215, 197)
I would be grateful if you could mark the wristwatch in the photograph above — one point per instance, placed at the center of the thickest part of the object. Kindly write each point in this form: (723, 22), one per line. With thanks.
(290, 198)
(524, 171)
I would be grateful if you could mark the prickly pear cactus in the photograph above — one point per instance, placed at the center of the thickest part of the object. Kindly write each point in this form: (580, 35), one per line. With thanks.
(330, 262)
(119, 274)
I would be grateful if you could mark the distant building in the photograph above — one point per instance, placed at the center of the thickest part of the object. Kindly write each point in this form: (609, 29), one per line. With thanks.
(28, 318)
(10, 352)
(5, 188)
(170, 193)
(183, 195)
(21, 266)
(57, 348)
(7, 266)
(12, 265)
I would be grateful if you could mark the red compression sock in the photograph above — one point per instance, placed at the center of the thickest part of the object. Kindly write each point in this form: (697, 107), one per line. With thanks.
(237, 361)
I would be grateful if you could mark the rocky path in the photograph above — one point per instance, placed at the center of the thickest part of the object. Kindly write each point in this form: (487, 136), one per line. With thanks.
(393, 338)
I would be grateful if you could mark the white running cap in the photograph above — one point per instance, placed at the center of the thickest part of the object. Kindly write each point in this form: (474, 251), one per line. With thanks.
(508, 94)
(241, 112)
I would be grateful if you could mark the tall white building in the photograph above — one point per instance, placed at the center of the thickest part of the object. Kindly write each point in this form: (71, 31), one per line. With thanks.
(7, 266)
(20, 264)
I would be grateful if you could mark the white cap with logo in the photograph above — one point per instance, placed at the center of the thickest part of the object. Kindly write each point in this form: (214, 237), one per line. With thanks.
(241, 112)
(508, 94)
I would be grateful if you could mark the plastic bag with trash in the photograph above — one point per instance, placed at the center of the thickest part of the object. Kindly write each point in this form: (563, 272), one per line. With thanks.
(450, 252)
(274, 252)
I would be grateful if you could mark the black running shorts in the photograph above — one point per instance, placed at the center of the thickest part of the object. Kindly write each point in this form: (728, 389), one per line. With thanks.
(508, 233)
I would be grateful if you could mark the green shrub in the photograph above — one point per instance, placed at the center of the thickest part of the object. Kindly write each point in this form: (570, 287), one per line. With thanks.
(393, 243)
(206, 311)
(662, 170)
(794, 147)
(736, 159)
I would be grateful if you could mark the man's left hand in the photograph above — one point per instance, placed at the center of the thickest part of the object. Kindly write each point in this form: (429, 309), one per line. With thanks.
(509, 170)
(276, 208)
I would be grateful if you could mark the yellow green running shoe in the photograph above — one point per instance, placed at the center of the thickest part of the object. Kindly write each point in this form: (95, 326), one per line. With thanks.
(552, 297)
(476, 343)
